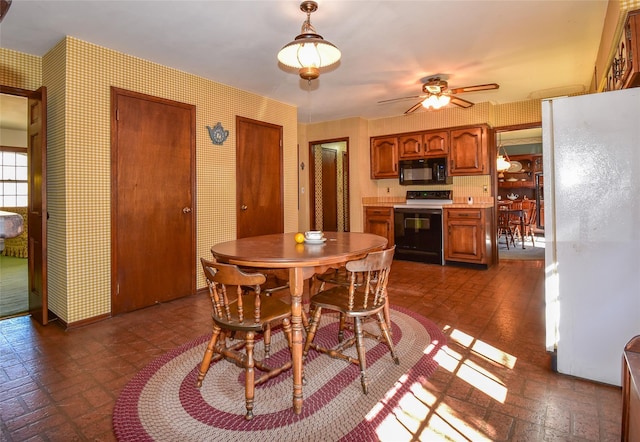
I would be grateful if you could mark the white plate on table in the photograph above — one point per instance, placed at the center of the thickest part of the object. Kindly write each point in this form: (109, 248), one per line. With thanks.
(315, 241)
(516, 166)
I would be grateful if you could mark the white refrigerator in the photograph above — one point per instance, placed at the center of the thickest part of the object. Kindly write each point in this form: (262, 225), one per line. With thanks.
(591, 154)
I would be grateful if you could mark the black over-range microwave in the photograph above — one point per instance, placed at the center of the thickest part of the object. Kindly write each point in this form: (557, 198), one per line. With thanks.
(424, 171)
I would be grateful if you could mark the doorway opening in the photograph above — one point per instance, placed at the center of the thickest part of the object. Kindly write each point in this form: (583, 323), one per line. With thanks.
(329, 185)
(520, 194)
(14, 198)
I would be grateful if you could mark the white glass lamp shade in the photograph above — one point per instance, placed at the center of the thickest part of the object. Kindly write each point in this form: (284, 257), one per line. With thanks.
(502, 164)
(309, 53)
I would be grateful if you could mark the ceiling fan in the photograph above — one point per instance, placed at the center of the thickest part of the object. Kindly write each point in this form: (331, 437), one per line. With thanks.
(437, 94)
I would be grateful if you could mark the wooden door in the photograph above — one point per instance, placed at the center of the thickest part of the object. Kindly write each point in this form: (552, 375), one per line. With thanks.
(329, 190)
(37, 212)
(153, 195)
(259, 178)
(37, 203)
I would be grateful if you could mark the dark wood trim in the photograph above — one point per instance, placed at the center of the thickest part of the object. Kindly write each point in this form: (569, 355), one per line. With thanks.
(83, 322)
(13, 149)
(513, 127)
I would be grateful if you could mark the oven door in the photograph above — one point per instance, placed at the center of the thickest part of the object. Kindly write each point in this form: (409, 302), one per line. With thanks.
(418, 234)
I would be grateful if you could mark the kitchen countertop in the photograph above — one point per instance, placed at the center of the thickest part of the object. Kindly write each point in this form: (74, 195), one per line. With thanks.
(466, 205)
(392, 201)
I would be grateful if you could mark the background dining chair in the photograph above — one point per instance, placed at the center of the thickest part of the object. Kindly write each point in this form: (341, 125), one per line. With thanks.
(505, 228)
(529, 207)
(249, 312)
(357, 301)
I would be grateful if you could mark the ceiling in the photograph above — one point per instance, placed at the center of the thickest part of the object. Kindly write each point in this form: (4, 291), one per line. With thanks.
(532, 49)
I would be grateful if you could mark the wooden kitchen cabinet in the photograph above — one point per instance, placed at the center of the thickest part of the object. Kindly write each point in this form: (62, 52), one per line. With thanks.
(468, 235)
(624, 71)
(423, 144)
(631, 390)
(469, 151)
(384, 157)
(379, 221)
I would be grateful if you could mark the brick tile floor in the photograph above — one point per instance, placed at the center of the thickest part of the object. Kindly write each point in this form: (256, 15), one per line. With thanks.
(494, 382)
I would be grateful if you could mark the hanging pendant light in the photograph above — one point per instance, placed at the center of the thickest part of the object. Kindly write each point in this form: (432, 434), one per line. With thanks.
(309, 52)
(503, 162)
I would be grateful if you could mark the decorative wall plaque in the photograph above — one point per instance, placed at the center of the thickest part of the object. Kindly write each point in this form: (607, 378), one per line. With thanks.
(217, 134)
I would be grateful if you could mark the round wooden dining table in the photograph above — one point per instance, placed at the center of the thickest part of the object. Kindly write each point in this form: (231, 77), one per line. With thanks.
(280, 251)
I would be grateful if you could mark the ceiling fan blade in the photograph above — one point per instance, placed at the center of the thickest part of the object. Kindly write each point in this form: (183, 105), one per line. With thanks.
(460, 102)
(413, 108)
(476, 88)
(413, 97)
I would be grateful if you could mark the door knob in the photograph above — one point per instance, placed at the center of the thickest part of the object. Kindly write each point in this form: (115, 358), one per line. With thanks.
(186, 210)
(243, 207)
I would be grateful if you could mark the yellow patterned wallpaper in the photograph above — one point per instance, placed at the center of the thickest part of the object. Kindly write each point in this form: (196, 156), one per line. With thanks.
(54, 77)
(20, 70)
(91, 71)
(78, 76)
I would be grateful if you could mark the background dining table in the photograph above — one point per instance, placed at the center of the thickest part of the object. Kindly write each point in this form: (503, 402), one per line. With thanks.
(281, 251)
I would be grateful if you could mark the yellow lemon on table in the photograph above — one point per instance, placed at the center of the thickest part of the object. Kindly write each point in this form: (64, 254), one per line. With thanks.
(299, 238)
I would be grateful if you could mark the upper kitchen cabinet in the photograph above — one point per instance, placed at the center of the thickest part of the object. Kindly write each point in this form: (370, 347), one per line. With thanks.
(384, 157)
(624, 71)
(423, 144)
(469, 151)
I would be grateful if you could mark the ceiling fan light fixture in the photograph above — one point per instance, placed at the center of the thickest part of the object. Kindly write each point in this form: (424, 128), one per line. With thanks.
(436, 101)
(309, 52)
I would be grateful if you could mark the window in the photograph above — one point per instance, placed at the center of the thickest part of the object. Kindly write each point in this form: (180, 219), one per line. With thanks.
(13, 179)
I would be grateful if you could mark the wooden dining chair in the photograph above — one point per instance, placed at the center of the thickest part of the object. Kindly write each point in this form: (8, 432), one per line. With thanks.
(248, 312)
(341, 276)
(530, 212)
(358, 302)
(505, 228)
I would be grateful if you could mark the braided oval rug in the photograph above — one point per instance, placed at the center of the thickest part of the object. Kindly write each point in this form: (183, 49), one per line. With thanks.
(161, 403)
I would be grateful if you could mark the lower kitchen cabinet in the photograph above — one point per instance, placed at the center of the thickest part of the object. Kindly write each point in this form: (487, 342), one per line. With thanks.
(468, 235)
(379, 221)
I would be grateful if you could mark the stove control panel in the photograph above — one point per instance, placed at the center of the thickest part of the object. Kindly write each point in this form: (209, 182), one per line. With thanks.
(428, 195)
